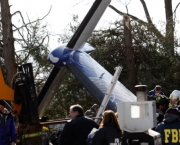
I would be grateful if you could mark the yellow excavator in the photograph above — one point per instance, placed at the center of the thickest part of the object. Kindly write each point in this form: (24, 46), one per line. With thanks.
(7, 93)
(22, 94)
(24, 104)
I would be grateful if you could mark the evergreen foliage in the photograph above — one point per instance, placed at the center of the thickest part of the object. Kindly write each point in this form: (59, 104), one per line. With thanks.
(153, 65)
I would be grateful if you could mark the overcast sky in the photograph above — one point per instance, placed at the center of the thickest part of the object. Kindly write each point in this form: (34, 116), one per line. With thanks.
(62, 11)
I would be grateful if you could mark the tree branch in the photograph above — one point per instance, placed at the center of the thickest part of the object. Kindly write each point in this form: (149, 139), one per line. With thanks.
(146, 12)
(133, 17)
(37, 71)
(153, 28)
(175, 11)
(25, 25)
(22, 36)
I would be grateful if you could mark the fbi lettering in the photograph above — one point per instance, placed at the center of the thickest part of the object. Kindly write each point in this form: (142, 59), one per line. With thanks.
(172, 134)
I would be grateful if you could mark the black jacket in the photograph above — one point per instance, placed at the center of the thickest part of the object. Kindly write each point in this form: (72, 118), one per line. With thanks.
(106, 135)
(75, 131)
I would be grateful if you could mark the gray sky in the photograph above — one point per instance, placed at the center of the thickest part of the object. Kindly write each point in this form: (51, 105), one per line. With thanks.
(62, 11)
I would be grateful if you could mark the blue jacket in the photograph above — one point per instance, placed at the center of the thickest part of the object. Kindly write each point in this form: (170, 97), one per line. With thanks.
(152, 93)
(170, 131)
(7, 131)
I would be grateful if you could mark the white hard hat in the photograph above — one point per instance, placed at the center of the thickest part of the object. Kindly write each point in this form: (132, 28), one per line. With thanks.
(175, 94)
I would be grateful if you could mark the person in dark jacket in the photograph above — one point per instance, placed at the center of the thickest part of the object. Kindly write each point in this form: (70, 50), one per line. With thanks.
(7, 126)
(170, 128)
(156, 91)
(109, 131)
(92, 111)
(76, 130)
(162, 104)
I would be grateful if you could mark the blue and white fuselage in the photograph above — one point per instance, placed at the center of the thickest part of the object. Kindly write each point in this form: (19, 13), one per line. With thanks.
(93, 70)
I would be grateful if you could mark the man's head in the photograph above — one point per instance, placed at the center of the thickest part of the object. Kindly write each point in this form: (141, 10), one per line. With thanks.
(171, 115)
(162, 102)
(2, 105)
(172, 111)
(157, 89)
(95, 108)
(76, 110)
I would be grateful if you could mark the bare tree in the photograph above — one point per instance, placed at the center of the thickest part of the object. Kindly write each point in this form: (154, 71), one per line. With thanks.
(7, 42)
(129, 52)
(33, 47)
(168, 39)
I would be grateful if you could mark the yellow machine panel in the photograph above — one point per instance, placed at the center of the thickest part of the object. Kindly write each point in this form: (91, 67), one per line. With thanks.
(6, 93)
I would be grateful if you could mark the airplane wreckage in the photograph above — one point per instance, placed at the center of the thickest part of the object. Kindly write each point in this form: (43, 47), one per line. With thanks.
(74, 57)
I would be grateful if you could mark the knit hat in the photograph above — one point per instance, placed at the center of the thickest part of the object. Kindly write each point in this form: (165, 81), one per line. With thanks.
(158, 88)
(172, 111)
(2, 103)
(94, 106)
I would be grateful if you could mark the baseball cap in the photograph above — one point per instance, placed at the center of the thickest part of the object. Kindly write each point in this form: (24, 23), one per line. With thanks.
(158, 87)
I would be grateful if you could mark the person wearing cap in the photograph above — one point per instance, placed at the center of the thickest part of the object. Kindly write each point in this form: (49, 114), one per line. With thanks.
(7, 126)
(162, 104)
(156, 91)
(169, 128)
(92, 111)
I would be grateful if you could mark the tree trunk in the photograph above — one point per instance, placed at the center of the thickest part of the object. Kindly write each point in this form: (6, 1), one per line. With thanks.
(169, 38)
(8, 42)
(129, 52)
(11, 69)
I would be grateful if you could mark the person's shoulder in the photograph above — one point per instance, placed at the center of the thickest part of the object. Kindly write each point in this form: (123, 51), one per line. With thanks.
(70, 122)
(161, 124)
(151, 91)
(88, 119)
(89, 112)
(162, 93)
(9, 115)
(101, 130)
(177, 123)
(168, 124)
(159, 127)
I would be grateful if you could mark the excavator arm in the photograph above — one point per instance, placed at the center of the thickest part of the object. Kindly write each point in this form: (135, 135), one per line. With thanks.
(23, 95)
